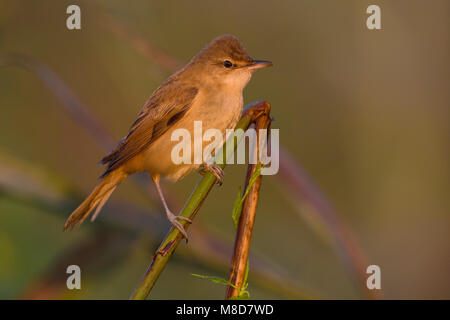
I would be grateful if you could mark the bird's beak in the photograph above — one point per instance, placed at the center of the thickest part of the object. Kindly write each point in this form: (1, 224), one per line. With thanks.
(258, 64)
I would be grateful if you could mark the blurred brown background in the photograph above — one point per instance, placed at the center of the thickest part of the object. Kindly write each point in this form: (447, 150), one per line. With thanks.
(366, 113)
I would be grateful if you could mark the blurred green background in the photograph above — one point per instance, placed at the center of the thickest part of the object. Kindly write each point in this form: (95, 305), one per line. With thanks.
(366, 113)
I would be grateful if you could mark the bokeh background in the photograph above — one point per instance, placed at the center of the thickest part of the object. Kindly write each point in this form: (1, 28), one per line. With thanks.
(363, 114)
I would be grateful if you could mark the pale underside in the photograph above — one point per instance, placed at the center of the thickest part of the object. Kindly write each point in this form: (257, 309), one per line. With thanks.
(214, 111)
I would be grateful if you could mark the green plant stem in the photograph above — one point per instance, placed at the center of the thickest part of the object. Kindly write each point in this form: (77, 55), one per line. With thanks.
(173, 238)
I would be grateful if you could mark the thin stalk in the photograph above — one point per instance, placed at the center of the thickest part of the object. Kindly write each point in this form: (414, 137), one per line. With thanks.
(193, 204)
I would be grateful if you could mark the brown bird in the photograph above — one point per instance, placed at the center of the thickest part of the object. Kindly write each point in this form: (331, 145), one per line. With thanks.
(208, 89)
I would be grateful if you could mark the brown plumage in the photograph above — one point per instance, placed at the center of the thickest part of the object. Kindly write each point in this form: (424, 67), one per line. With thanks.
(96, 199)
(162, 110)
(208, 89)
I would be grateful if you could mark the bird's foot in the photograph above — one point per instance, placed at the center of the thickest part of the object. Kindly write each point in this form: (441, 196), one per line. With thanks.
(215, 169)
(173, 220)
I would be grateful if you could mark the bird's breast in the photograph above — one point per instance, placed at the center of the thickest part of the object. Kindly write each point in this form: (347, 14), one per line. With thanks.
(215, 110)
(218, 109)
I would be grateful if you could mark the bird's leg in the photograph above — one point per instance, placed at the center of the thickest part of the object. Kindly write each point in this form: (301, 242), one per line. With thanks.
(170, 216)
(215, 169)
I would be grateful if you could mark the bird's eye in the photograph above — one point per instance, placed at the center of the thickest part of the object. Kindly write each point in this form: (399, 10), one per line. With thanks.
(227, 64)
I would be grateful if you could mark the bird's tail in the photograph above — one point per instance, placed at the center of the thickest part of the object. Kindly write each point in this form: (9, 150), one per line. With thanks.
(96, 199)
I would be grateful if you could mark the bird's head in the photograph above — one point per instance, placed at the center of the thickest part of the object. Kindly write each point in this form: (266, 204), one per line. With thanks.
(226, 61)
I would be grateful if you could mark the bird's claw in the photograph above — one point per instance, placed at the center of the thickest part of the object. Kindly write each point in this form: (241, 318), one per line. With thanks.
(215, 169)
(173, 220)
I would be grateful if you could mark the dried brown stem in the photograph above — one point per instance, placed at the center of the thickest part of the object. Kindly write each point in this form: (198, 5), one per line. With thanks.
(247, 218)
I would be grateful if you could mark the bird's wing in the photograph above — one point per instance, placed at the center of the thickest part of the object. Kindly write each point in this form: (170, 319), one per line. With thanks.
(164, 108)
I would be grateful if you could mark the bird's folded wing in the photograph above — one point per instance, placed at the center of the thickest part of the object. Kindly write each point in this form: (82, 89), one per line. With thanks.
(164, 108)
